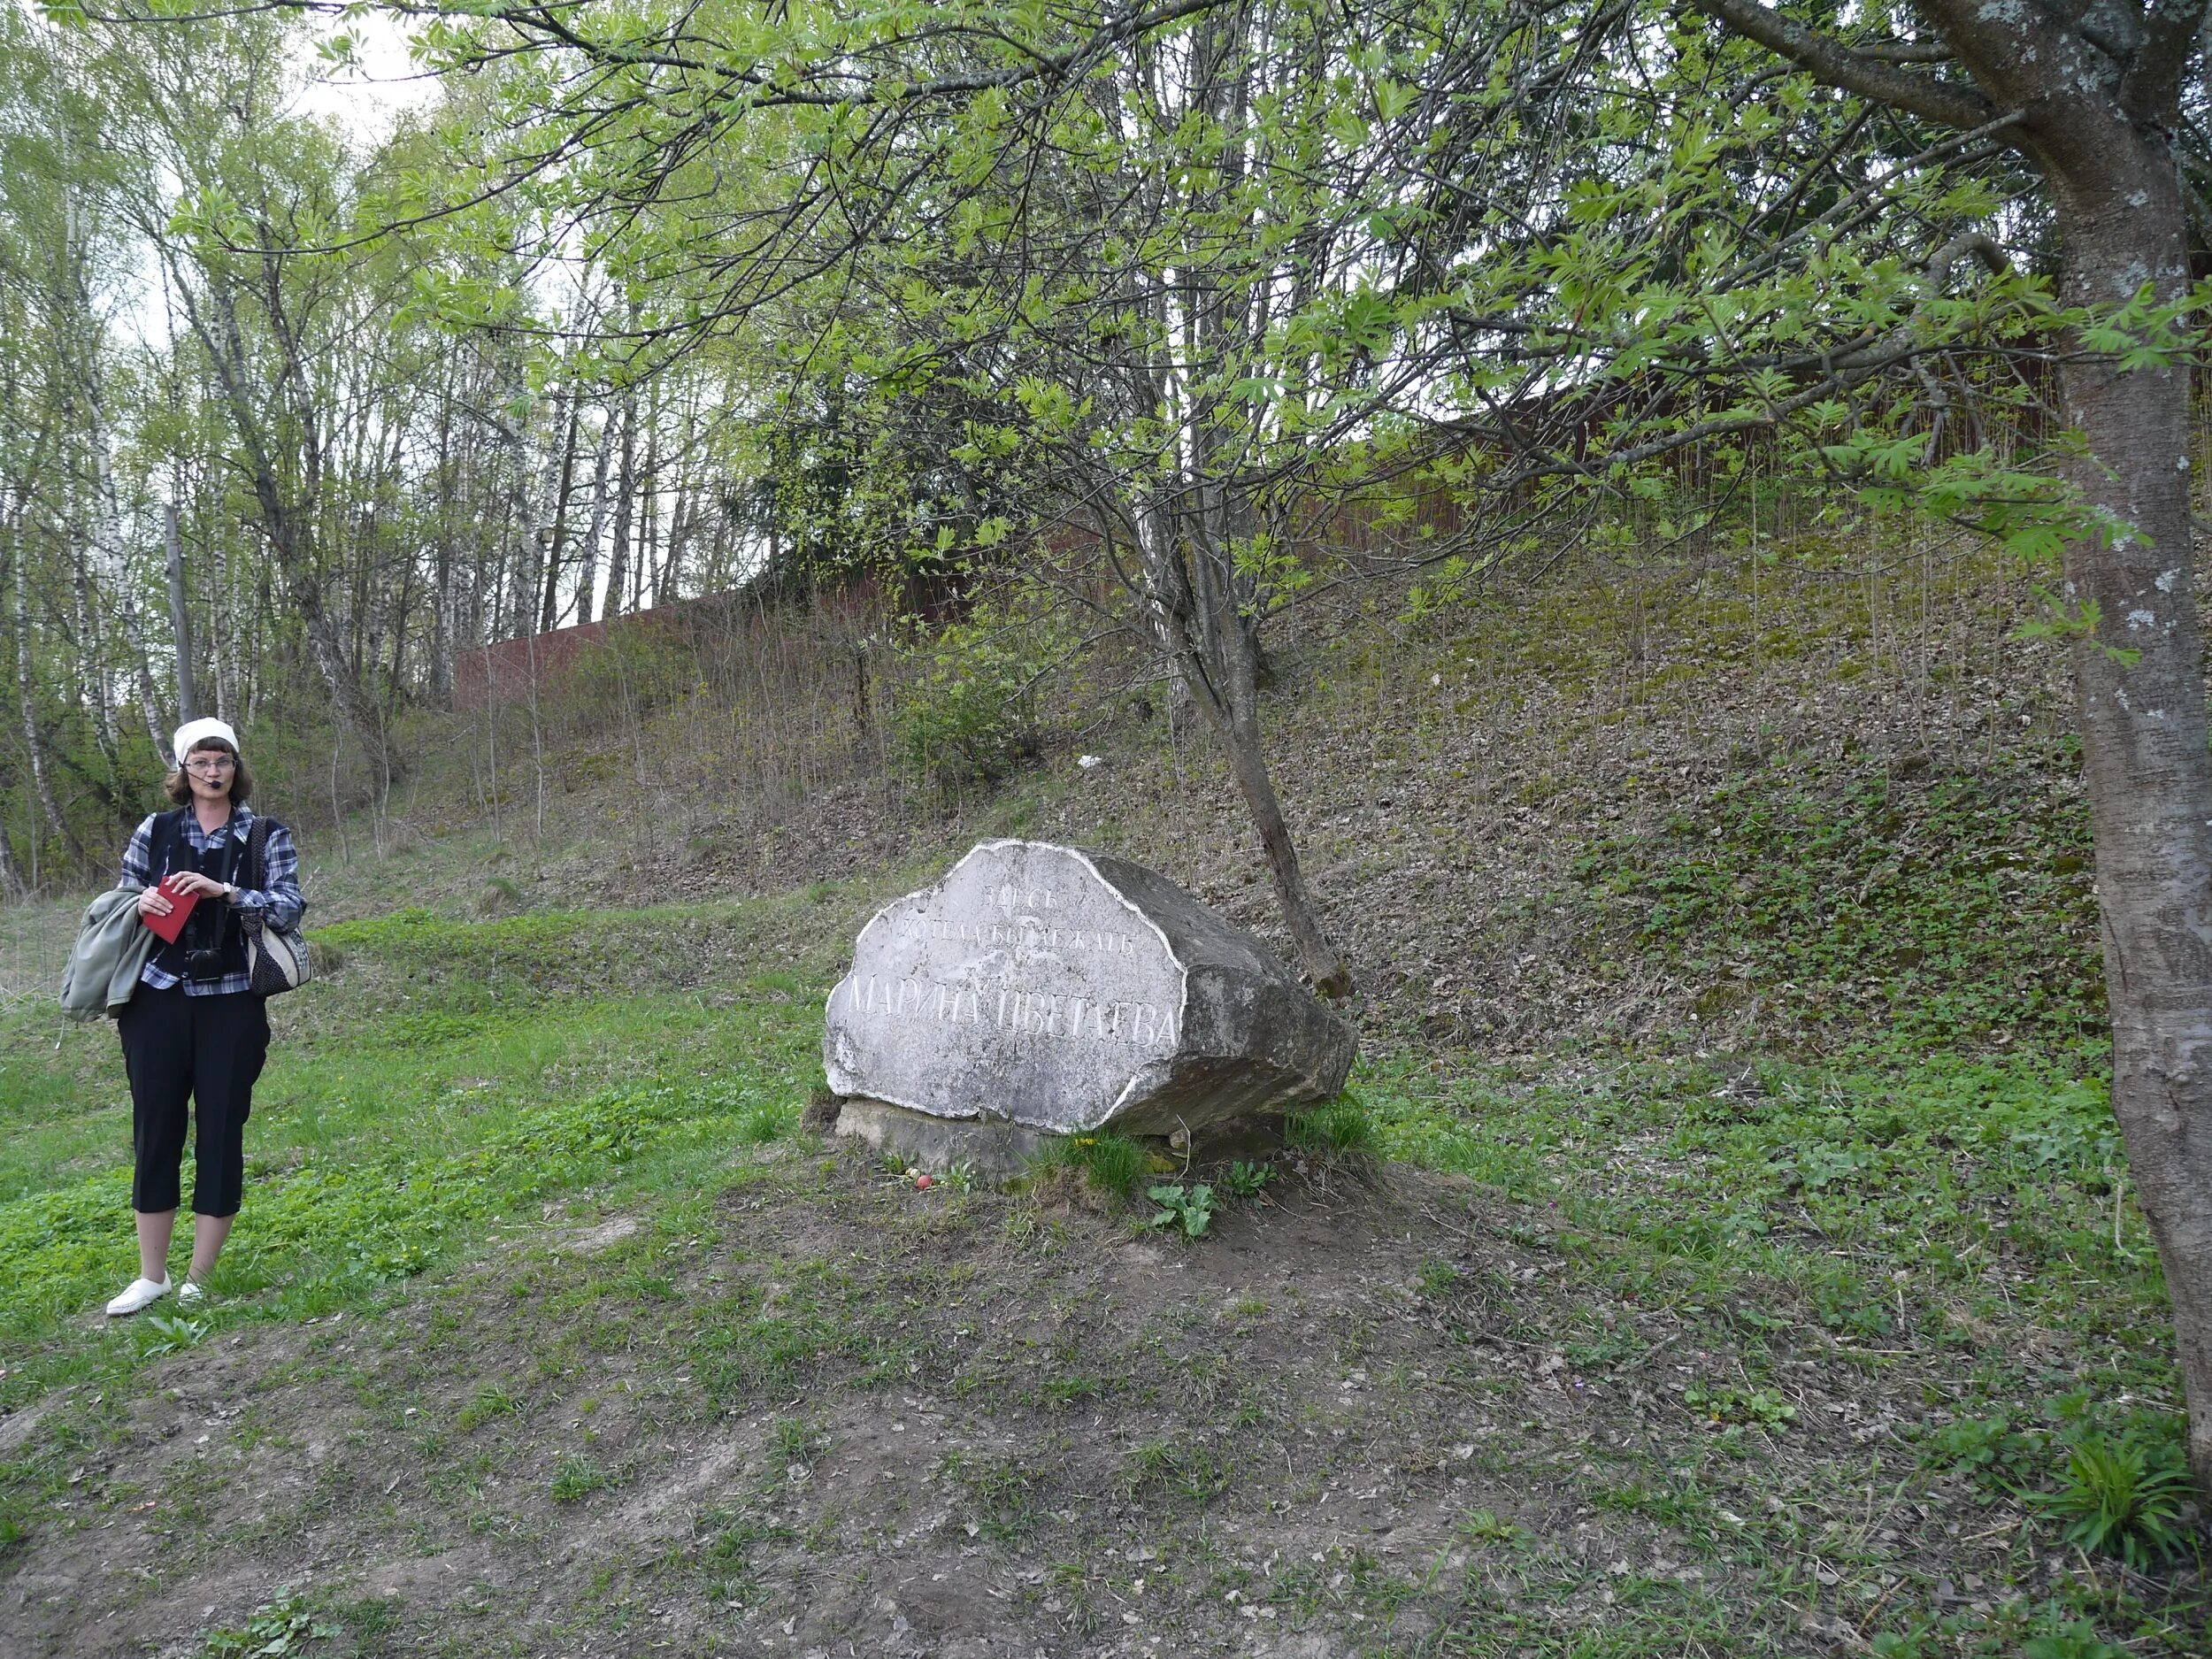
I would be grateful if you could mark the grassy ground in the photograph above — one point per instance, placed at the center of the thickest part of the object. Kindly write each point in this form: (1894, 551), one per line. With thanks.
(1725, 1245)
(550, 1329)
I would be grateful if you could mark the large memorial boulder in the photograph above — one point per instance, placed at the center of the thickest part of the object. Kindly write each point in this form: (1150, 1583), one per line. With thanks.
(1050, 990)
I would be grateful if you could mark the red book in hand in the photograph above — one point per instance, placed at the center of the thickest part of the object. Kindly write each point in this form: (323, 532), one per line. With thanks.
(169, 925)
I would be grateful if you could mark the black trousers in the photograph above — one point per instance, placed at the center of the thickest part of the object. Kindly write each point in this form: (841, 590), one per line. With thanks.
(209, 1050)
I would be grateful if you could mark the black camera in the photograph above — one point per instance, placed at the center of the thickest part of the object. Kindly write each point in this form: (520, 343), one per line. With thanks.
(204, 964)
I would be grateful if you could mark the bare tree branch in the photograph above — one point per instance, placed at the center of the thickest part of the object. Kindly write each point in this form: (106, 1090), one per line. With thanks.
(1830, 60)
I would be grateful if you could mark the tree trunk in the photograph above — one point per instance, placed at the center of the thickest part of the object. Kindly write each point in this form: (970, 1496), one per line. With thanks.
(2093, 98)
(73, 300)
(12, 881)
(650, 521)
(667, 580)
(2143, 728)
(1195, 620)
(588, 564)
(149, 693)
(150, 698)
(222, 613)
(564, 481)
(287, 523)
(92, 686)
(440, 666)
(624, 500)
(26, 705)
(180, 617)
(107, 539)
(517, 548)
(1247, 763)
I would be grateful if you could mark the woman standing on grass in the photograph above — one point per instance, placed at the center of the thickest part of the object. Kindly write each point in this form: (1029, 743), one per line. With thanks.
(193, 1029)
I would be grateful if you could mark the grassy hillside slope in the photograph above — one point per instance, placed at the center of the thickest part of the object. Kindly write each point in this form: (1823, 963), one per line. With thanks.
(1726, 1241)
(1799, 799)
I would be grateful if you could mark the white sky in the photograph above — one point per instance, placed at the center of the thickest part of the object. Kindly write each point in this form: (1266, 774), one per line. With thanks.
(367, 101)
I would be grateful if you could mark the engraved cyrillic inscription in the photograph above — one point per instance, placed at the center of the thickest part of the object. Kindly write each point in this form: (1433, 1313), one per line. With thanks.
(1024, 933)
(1071, 1017)
(1022, 983)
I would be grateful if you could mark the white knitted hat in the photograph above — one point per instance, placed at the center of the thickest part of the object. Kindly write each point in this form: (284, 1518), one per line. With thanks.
(198, 731)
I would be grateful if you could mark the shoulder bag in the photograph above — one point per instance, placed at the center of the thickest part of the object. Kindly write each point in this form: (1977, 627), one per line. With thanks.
(276, 958)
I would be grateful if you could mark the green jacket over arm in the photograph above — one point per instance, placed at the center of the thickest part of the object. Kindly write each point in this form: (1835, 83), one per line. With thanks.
(112, 945)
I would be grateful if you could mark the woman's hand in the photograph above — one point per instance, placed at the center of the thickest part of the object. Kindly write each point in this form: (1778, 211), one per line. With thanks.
(193, 881)
(154, 902)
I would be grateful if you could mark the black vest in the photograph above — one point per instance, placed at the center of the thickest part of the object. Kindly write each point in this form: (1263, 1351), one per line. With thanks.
(213, 925)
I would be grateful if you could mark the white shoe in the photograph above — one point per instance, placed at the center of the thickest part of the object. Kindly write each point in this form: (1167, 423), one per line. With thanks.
(190, 1295)
(142, 1293)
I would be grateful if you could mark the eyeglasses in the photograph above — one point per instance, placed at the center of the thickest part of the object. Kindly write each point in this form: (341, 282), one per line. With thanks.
(208, 765)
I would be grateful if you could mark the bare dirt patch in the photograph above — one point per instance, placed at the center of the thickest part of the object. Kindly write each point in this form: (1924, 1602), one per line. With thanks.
(826, 1414)
(591, 1241)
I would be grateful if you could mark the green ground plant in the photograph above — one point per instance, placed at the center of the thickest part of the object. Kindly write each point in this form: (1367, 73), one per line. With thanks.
(974, 715)
(1109, 1164)
(2076, 1638)
(2000, 1452)
(1188, 1208)
(275, 1629)
(2123, 1496)
(1243, 1181)
(170, 1333)
(492, 1401)
(498, 897)
(1725, 1403)
(1481, 1526)
(576, 1478)
(1342, 1127)
(1003, 1495)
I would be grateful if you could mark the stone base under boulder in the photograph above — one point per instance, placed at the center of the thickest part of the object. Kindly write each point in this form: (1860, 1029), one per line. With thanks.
(998, 1151)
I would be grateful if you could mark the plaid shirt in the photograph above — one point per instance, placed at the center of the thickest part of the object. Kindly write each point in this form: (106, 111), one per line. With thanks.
(281, 903)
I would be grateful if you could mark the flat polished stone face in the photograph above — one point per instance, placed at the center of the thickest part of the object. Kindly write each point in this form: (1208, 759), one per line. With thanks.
(1064, 991)
(1024, 986)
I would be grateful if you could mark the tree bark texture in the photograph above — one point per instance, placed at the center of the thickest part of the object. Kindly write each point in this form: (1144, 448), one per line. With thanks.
(109, 516)
(106, 511)
(562, 471)
(222, 613)
(2143, 742)
(2098, 102)
(649, 515)
(587, 567)
(180, 616)
(441, 580)
(625, 507)
(26, 706)
(92, 689)
(12, 878)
